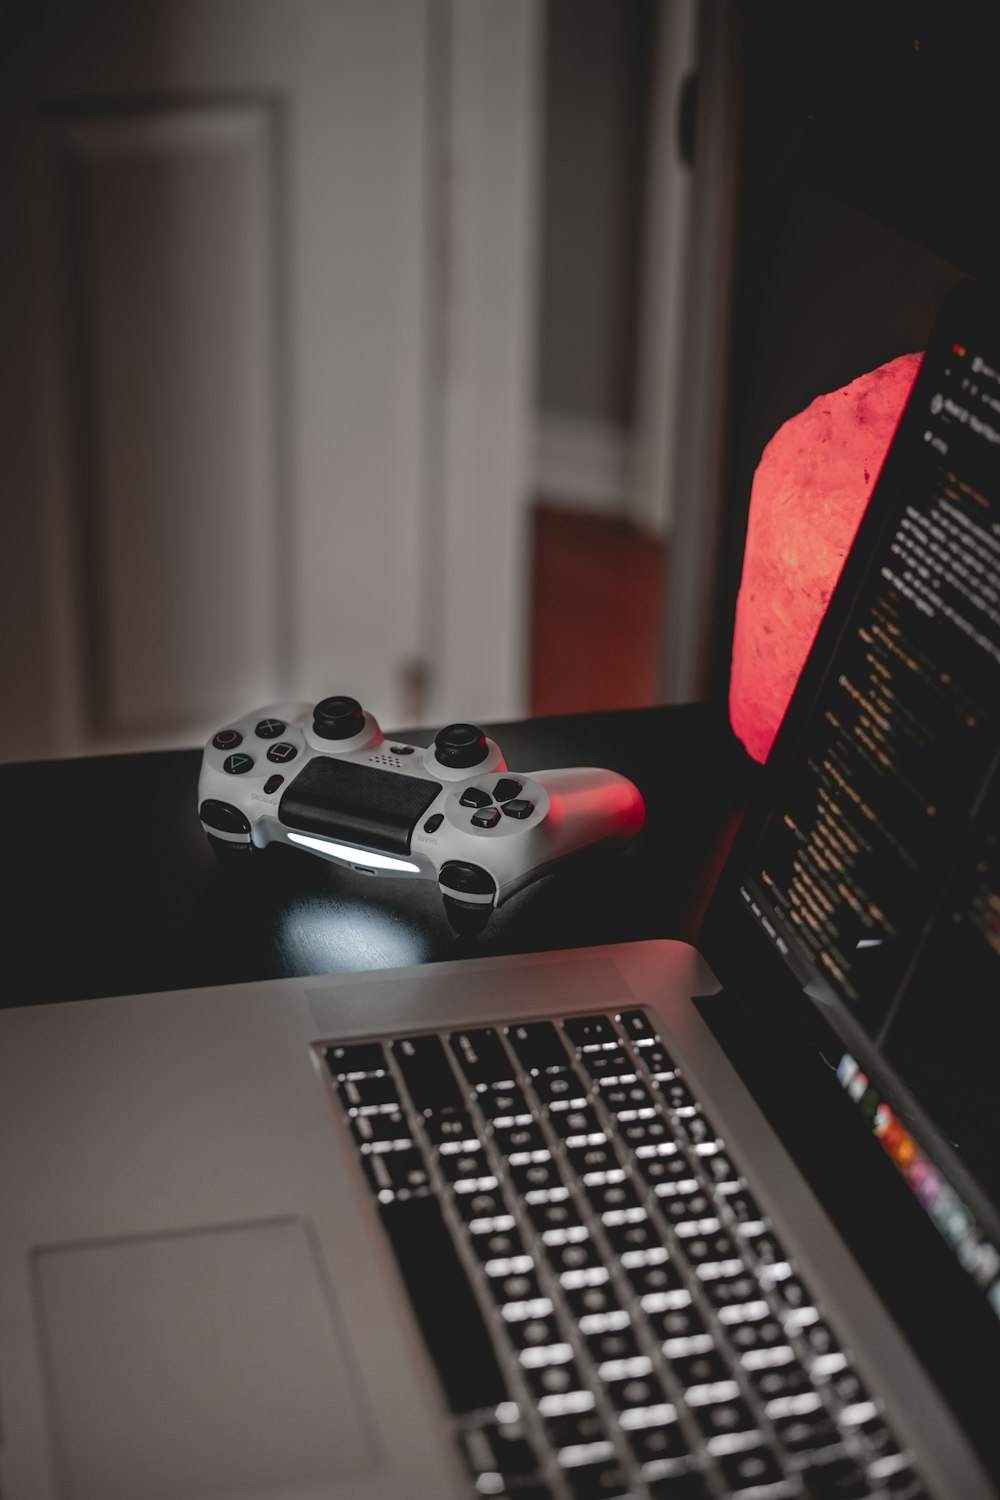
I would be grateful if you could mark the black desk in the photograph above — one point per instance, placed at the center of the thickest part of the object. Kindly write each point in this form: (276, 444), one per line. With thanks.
(112, 887)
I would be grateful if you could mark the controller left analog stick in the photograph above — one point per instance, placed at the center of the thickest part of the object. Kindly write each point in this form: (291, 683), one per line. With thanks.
(338, 718)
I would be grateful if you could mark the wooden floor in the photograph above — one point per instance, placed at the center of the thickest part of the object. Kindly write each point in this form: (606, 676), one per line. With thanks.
(597, 596)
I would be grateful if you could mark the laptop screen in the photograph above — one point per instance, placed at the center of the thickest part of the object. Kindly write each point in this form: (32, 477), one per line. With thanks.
(874, 871)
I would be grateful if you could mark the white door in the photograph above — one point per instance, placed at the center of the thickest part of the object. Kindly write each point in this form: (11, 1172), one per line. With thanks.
(265, 367)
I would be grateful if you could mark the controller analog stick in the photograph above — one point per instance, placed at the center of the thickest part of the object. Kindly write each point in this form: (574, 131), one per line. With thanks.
(460, 745)
(338, 718)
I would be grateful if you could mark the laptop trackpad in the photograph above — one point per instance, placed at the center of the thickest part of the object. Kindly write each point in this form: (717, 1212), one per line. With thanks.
(198, 1364)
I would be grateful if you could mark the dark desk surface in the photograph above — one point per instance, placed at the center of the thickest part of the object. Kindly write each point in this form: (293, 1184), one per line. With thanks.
(112, 887)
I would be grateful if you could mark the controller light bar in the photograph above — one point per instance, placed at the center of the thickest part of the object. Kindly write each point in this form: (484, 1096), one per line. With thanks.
(354, 856)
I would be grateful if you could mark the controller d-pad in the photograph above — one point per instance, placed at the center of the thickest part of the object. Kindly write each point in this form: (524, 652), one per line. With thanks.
(282, 752)
(486, 817)
(269, 729)
(237, 764)
(506, 788)
(519, 807)
(227, 739)
(474, 797)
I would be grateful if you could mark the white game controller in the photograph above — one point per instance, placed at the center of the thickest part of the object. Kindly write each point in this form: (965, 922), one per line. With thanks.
(324, 779)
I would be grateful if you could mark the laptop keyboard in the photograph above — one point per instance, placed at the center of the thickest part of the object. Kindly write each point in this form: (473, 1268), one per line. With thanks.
(609, 1310)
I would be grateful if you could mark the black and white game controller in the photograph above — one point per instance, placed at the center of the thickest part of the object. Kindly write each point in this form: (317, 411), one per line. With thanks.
(324, 779)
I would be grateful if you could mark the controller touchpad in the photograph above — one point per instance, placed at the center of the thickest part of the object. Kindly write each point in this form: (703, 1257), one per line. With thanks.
(361, 804)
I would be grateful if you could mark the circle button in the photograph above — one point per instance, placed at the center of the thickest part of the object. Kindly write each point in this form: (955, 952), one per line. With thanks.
(227, 739)
(269, 729)
(236, 765)
(282, 753)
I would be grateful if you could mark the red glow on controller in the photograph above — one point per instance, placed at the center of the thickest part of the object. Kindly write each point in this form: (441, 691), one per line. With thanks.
(810, 491)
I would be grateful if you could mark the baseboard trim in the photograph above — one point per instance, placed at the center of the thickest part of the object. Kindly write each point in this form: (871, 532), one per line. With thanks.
(585, 465)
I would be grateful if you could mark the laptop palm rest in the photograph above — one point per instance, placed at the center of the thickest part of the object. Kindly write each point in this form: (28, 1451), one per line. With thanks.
(203, 1363)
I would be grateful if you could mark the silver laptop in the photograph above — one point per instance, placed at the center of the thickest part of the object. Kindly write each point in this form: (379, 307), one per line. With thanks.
(632, 1221)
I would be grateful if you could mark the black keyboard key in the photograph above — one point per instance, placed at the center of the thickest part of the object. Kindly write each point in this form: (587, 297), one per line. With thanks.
(590, 1031)
(596, 1481)
(652, 1132)
(665, 1167)
(558, 1213)
(515, 1288)
(776, 1382)
(538, 1046)
(435, 1278)
(534, 1176)
(486, 1203)
(512, 1140)
(711, 1247)
(561, 1090)
(482, 1057)
(903, 1484)
(791, 1293)
(620, 1096)
(611, 1197)
(576, 1428)
(677, 1095)
(628, 1392)
(765, 1248)
(878, 1437)
(369, 1095)
(614, 1062)
(819, 1339)
(655, 1443)
(588, 1301)
(500, 1448)
(636, 1026)
(395, 1172)
(806, 1432)
(718, 1167)
(504, 1102)
(706, 1368)
(756, 1333)
(449, 1130)
(575, 1122)
(696, 1128)
(424, 1065)
(575, 1255)
(738, 1286)
(381, 1132)
(597, 1157)
(750, 1467)
(554, 1379)
(658, 1060)
(677, 1323)
(847, 1386)
(355, 1059)
(685, 1207)
(614, 1343)
(497, 1244)
(723, 1418)
(467, 1167)
(689, 1486)
(835, 1478)
(649, 1275)
(642, 1235)
(744, 1206)
(534, 1333)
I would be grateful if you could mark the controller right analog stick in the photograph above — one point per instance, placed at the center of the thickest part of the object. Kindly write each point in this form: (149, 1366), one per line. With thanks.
(338, 718)
(460, 745)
